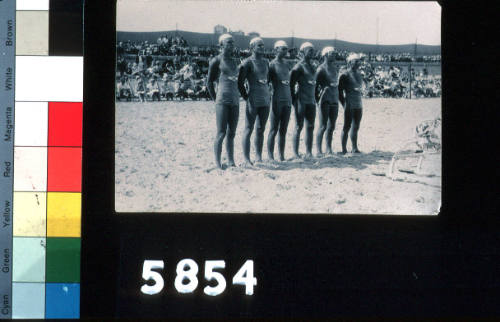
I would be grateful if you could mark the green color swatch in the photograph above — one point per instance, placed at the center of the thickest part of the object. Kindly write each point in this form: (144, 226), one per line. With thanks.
(63, 260)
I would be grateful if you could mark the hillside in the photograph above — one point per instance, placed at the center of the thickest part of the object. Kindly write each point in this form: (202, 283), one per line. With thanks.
(206, 39)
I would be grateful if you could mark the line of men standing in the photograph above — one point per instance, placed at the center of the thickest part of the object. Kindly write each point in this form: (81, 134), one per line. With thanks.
(301, 87)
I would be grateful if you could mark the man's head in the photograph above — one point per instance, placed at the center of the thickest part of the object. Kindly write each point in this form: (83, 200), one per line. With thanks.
(226, 42)
(307, 50)
(328, 53)
(257, 45)
(281, 48)
(354, 61)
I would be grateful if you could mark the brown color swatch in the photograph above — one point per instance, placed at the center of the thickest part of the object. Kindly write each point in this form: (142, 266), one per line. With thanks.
(32, 33)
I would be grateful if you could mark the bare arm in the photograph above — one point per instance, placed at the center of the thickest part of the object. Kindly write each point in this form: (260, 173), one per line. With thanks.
(213, 73)
(320, 82)
(269, 67)
(342, 80)
(294, 77)
(244, 70)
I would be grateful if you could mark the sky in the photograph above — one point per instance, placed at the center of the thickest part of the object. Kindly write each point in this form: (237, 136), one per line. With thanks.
(398, 22)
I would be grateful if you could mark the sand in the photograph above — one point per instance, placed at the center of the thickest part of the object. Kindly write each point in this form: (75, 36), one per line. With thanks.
(164, 163)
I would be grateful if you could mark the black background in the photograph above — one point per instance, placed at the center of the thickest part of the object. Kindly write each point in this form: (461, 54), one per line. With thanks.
(306, 266)
(65, 28)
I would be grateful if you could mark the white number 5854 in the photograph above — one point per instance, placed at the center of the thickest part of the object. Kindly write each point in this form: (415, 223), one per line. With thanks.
(186, 280)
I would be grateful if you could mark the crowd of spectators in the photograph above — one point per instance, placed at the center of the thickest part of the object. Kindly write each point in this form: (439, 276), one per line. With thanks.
(178, 46)
(393, 81)
(405, 58)
(171, 69)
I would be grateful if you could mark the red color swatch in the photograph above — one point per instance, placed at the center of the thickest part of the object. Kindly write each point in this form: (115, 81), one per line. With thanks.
(64, 169)
(65, 124)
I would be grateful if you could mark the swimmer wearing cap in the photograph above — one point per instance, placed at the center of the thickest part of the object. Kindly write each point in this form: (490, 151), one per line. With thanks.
(223, 69)
(327, 97)
(350, 91)
(255, 69)
(303, 100)
(281, 103)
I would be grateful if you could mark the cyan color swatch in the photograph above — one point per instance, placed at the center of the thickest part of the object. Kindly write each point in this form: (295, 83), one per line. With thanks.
(62, 300)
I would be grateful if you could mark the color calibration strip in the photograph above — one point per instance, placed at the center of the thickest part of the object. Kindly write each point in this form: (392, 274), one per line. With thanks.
(42, 161)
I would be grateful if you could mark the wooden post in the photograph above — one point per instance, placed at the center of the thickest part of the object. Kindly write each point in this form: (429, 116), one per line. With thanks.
(409, 69)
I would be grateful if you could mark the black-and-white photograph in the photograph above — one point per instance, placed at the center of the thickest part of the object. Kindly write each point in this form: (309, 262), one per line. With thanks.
(288, 107)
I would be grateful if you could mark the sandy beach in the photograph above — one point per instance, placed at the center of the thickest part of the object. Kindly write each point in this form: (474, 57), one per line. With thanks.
(165, 163)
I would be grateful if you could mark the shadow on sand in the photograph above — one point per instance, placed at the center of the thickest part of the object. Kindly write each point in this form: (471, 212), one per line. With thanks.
(356, 161)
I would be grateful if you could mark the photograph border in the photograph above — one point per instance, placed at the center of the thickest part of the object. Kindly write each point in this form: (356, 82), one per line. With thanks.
(369, 192)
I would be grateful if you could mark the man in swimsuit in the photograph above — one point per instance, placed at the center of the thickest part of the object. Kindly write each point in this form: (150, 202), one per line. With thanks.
(279, 74)
(303, 100)
(327, 97)
(224, 69)
(350, 87)
(255, 69)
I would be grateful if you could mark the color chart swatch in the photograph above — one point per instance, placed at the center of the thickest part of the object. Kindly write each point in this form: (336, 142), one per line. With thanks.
(41, 150)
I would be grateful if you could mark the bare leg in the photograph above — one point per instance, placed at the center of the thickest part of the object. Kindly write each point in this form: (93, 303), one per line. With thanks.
(275, 118)
(221, 112)
(323, 119)
(310, 117)
(285, 117)
(260, 126)
(332, 119)
(356, 120)
(299, 124)
(247, 133)
(346, 128)
(232, 123)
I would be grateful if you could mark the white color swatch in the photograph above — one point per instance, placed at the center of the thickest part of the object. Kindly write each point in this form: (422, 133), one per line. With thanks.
(49, 78)
(31, 124)
(30, 169)
(32, 5)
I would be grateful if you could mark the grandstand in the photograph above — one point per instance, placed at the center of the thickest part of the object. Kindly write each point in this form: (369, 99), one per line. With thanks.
(179, 67)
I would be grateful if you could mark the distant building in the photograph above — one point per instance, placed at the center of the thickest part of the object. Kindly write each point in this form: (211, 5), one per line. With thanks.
(236, 33)
(220, 29)
(253, 34)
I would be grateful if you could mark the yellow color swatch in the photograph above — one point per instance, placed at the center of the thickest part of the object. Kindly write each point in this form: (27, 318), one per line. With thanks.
(64, 214)
(29, 214)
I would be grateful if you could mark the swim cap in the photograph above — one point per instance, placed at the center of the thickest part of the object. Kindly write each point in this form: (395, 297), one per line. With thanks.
(352, 57)
(327, 50)
(305, 45)
(280, 43)
(254, 40)
(224, 37)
